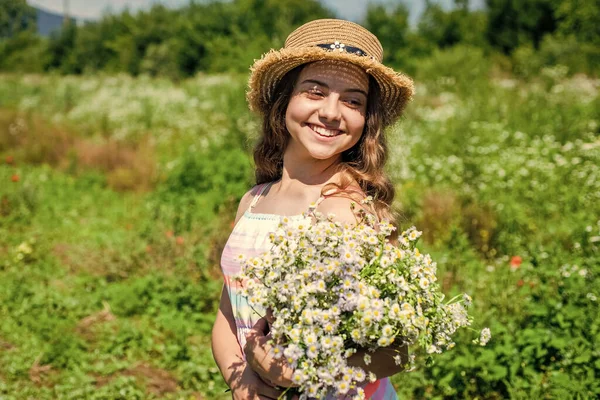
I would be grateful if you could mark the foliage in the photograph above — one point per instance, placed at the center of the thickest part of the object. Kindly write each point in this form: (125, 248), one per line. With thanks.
(16, 16)
(214, 36)
(218, 36)
(514, 23)
(26, 50)
(391, 28)
(111, 294)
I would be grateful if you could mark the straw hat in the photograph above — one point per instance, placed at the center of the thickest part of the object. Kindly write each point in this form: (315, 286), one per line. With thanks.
(329, 39)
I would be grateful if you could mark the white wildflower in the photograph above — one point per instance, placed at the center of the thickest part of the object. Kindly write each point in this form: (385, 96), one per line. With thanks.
(485, 336)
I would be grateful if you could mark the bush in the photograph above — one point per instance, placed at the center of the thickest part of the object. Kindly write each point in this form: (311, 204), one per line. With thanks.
(467, 64)
(25, 53)
(576, 56)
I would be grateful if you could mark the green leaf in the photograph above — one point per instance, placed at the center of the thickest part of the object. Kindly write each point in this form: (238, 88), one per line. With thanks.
(582, 359)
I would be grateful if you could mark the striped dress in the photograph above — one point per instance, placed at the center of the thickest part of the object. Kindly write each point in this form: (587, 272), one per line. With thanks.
(250, 237)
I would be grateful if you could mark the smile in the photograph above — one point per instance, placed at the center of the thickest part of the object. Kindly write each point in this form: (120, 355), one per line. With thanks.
(323, 131)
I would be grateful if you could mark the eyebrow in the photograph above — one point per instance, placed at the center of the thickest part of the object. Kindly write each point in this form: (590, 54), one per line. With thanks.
(320, 83)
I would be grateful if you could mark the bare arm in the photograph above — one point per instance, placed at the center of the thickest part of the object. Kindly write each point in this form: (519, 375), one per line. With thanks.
(226, 348)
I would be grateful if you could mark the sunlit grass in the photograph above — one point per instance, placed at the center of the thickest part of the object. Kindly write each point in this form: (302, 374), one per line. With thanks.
(117, 194)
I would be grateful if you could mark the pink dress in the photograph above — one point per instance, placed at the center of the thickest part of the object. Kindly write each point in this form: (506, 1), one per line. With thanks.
(250, 237)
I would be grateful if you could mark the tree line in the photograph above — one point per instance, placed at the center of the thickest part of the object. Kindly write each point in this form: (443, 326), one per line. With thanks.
(219, 36)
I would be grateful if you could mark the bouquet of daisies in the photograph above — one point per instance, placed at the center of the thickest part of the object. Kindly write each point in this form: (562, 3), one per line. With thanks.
(335, 288)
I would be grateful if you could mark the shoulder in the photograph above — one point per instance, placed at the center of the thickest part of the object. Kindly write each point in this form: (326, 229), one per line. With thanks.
(343, 204)
(246, 201)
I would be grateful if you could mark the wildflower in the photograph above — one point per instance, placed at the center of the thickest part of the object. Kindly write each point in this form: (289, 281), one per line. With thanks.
(277, 352)
(336, 284)
(24, 248)
(15, 178)
(485, 336)
(467, 300)
(297, 377)
(433, 349)
(343, 387)
(515, 262)
(372, 377)
(387, 330)
(326, 342)
(367, 359)
(312, 351)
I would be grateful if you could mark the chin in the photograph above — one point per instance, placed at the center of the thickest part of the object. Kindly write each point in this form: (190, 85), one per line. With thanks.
(323, 156)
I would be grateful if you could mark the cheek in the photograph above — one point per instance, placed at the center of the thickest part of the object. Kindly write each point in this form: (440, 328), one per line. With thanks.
(358, 124)
(291, 114)
(288, 117)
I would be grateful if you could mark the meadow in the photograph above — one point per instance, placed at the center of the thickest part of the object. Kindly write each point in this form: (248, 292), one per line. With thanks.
(118, 193)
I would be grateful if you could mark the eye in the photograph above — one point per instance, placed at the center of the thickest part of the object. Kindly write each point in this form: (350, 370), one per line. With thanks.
(315, 92)
(354, 103)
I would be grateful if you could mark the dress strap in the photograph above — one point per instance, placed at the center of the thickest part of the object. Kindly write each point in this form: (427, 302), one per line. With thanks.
(331, 193)
(261, 190)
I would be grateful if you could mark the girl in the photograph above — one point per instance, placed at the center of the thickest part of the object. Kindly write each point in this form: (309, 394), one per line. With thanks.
(325, 99)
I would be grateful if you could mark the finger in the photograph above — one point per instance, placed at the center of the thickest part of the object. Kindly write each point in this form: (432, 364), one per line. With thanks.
(269, 392)
(261, 326)
(269, 317)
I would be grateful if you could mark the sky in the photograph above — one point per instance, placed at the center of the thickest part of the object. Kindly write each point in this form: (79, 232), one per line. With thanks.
(347, 9)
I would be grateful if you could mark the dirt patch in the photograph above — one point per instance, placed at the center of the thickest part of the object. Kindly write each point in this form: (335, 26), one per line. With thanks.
(156, 380)
(6, 346)
(85, 327)
(41, 374)
(33, 140)
(117, 265)
(106, 262)
(439, 211)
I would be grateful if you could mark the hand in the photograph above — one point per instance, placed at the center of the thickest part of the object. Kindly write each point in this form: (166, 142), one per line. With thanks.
(259, 356)
(247, 385)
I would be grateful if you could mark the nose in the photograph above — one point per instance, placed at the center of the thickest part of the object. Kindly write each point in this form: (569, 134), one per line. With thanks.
(330, 108)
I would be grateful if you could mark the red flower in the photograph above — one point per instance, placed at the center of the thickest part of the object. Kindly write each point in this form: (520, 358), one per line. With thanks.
(179, 240)
(515, 262)
(169, 234)
(520, 283)
(15, 178)
(10, 159)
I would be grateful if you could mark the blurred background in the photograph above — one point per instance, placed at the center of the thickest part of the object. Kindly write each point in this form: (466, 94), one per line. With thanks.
(125, 146)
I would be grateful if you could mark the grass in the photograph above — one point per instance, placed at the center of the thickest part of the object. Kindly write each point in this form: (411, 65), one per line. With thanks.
(117, 195)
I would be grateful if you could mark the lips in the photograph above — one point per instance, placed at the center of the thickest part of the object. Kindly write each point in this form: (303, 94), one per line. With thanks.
(321, 131)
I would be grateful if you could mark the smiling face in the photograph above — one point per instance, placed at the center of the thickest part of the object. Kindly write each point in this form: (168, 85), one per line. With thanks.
(326, 113)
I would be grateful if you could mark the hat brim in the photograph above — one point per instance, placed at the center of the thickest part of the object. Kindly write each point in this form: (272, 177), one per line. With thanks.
(396, 88)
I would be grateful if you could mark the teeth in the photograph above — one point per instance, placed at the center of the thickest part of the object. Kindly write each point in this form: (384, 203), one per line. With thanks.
(323, 131)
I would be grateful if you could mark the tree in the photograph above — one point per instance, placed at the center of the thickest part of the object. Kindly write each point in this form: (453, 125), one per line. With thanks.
(444, 28)
(513, 23)
(16, 16)
(579, 18)
(60, 49)
(391, 28)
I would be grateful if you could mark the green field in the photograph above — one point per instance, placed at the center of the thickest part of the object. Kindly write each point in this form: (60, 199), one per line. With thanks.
(118, 193)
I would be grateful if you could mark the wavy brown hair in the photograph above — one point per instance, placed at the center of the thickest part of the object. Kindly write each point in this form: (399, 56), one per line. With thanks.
(363, 163)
